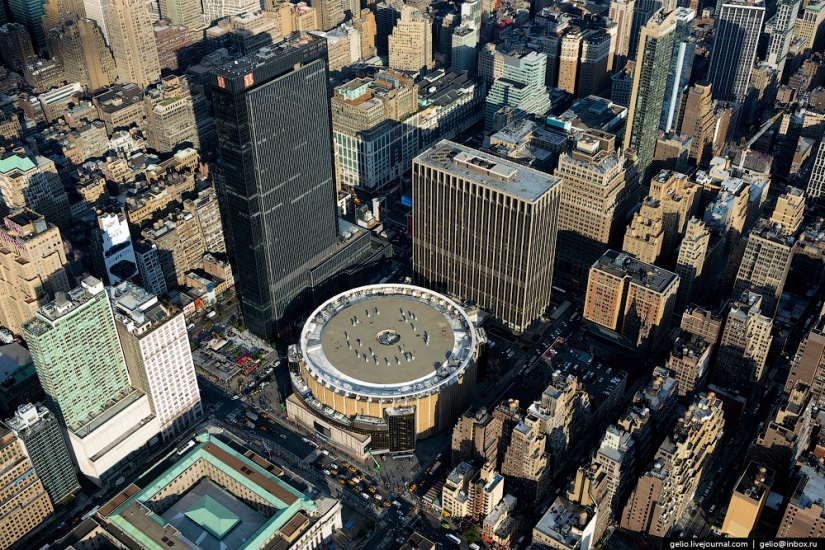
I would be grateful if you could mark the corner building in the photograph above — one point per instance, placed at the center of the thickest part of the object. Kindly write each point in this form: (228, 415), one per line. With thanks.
(485, 230)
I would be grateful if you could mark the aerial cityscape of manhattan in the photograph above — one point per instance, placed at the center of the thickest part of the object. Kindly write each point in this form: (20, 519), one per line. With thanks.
(412, 274)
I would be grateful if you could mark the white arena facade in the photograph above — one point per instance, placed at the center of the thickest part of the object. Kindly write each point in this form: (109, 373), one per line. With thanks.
(380, 366)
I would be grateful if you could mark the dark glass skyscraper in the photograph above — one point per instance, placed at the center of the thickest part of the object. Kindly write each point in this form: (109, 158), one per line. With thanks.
(275, 131)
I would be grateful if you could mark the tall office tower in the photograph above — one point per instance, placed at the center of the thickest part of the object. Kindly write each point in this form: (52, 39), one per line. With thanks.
(664, 491)
(525, 462)
(86, 58)
(803, 516)
(411, 44)
(769, 251)
(734, 48)
(743, 349)
(464, 52)
(594, 202)
(33, 265)
(273, 187)
(180, 246)
(583, 62)
(698, 122)
(183, 12)
(156, 347)
(97, 11)
(810, 27)
(748, 500)
(38, 432)
(25, 502)
(29, 13)
(631, 297)
(787, 434)
(218, 9)
(171, 118)
(112, 253)
(55, 10)
(645, 235)
(365, 24)
(32, 182)
(678, 198)
(681, 65)
(387, 14)
(690, 263)
(149, 267)
(373, 145)
(621, 13)
(781, 33)
(133, 42)
(643, 10)
(476, 438)
(80, 364)
(512, 274)
(815, 191)
(15, 45)
(331, 13)
(808, 365)
(647, 100)
(520, 90)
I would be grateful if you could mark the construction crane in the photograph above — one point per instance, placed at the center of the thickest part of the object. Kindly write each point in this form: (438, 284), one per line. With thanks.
(746, 145)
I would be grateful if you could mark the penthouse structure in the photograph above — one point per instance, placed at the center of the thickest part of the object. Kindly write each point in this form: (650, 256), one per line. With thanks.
(453, 184)
(631, 297)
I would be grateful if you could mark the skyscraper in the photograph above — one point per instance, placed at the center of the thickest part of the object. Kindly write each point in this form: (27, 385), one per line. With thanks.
(781, 33)
(275, 132)
(133, 42)
(647, 99)
(411, 43)
(15, 45)
(681, 64)
(519, 91)
(621, 13)
(698, 121)
(29, 13)
(156, 347)
(734, 48)
(38, 432)
(594, 202)
(82, 46)
(28, 181)
(25, 501)
(499, 250)
(80, 364)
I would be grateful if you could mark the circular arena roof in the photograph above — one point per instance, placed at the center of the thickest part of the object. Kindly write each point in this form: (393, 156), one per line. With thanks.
(388, 340)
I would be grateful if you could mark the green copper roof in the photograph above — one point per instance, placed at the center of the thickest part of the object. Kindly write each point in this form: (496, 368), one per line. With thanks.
(213, 516)
(15, 162)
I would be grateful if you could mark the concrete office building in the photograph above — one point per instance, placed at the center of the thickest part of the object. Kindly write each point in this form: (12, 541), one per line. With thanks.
(293, 269)
(816, 183)
(156, 348)
(663, 492)
(734, 48)
(183, 12)
(108, 420)
(25, 501)
(15, 45)
(808, 365)
(38, 432)
(519, 91)
(112, 251)
(512, 274)
(804, 516)
(594, 202)
(781, 33)
(411, 44)
(525, 463)
(129, 33)
(809, 27)
(80, 43)
(748, 500)
(375, 140)
(150, 268)
(32, 267)
(172, 119)
(621, 13)
(207, 212)
(650, 83)
(28, 181)
(476, 438)
(694, 252)
(645, 236)
(787, 434)
(29, 13)
(180, 245)
(364, 390)
(631, 297)
(743, 348)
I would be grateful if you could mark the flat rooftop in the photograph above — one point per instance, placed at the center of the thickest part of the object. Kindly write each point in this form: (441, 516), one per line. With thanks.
(621, 264)
(388, 335)
(503, 175)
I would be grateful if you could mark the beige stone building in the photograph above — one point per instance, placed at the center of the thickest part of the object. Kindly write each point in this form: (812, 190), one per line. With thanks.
(645, 235)
(129, 31)
(170, 115)
(525, 464)
(679, 199)
(32, 182)
(25, 502)
(410, 44)
(82, 46)
(631, 297)
(32, 267)
(805, 514)
(698, 262)
(475, 438)
(180, 245)
(594, 202)
(662, 493)
(206, 210)
(747, 501)
(698, 121)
